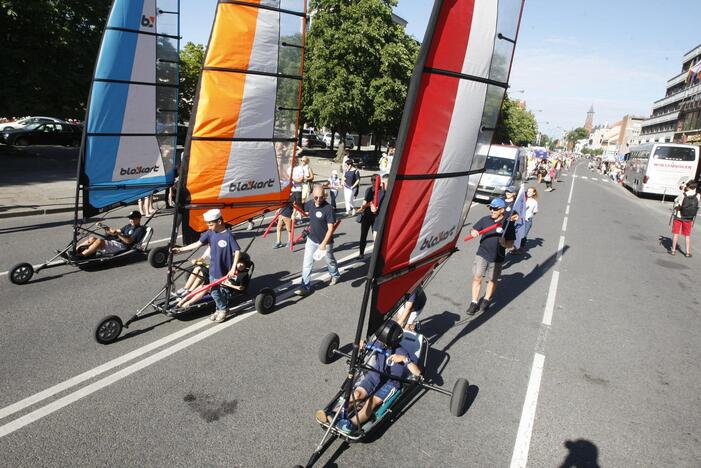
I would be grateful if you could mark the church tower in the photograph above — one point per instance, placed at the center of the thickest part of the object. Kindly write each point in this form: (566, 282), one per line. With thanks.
(589, 123)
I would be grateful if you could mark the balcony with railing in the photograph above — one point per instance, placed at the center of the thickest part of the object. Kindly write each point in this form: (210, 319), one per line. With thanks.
(660, 119)
(677, 79)
(677, 97)
(692, 53)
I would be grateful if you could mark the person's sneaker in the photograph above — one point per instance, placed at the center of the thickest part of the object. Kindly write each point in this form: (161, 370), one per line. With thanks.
(345, 426)
(333, 281)
(485, 305)
(250, 226)
(182, 292)
(303, 291)
(221, 316)
(472, 308)
(278, 245)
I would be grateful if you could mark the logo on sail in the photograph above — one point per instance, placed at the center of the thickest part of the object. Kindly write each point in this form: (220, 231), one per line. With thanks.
(433, 240)
(251, 185)
(148, 21)
(138, 170)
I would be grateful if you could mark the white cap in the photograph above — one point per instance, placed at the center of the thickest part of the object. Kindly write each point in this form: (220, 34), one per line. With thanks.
(212, 215)
(334, 172)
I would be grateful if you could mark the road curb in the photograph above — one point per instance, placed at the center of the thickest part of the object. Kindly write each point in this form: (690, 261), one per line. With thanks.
(41, 211)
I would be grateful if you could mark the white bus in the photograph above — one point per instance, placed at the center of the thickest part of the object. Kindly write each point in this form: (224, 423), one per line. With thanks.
(659, 168)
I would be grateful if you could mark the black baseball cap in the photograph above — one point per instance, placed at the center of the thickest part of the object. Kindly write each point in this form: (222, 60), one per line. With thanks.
(134, 215)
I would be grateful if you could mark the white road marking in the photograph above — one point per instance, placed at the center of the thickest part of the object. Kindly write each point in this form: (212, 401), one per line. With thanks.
(560, 246)
(550, 301)
(104, 382)
(519, 458)
(585, 177)
(51, 391)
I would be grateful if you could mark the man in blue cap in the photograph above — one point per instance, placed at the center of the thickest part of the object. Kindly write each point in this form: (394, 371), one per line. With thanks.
(490, 254)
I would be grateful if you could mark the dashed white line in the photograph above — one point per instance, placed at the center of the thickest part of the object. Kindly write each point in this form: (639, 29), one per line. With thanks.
(519, 458)
(550, 301)
(567, 210)
(560, 247)
(584, 177)
(564, 224)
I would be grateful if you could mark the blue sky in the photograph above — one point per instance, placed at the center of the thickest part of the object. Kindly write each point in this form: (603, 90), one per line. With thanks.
(614, 54)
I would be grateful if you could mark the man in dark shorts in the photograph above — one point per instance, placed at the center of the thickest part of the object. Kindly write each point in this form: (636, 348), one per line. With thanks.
(490, 254)
(322, 218)
(225, 254)
(117, 240)
(284, 219)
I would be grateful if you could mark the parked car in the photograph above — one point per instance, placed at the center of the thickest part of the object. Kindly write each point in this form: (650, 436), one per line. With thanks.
(314, 142)
(51, 133)
(306, 134)
(25, 122)
(349, 144)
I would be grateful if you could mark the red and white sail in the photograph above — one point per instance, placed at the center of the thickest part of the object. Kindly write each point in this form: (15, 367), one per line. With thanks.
(448, 123)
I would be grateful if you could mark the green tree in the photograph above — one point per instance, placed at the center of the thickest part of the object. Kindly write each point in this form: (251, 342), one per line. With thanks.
(358, 64)
(48, 54)
(576, 134)
(191, 60)
(516, 125)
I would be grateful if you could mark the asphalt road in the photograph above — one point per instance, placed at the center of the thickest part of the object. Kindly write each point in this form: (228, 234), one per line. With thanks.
(589, 353)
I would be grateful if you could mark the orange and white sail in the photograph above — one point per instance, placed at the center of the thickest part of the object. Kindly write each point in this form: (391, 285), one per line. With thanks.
(241, 143)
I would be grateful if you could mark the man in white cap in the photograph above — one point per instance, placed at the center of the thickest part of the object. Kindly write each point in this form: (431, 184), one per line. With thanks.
(224, 252)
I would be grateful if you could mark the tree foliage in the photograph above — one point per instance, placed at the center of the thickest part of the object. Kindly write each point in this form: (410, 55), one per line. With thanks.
(516, 125)
(358, 64)
(48, 54)
(577, 134)
(191, 60)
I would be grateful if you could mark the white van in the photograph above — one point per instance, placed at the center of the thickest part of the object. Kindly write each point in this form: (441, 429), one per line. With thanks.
(505, 165)
(659, 168)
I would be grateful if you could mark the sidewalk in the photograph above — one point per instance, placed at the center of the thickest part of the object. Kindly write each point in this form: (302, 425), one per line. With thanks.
(41, 180)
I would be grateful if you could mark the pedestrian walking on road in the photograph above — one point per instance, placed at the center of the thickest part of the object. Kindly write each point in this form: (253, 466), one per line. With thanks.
(490, 254)
(368, 218)
(685, 208)
(308, 178)
(334, 185)
(319, 240)
(284, 219)
(351, 181)
(225, 253)
(531, 210)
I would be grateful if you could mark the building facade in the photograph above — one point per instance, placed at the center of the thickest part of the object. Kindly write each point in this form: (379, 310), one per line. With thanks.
(676, 117)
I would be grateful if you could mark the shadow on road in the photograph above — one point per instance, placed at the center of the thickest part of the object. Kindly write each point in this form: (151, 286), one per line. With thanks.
(510, 287)
(582, 454)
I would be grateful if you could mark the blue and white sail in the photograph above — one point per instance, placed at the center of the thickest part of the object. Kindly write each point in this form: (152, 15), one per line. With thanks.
(129, 145)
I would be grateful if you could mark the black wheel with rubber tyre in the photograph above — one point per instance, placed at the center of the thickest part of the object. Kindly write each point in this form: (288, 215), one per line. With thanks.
(108, 330)
(328, 345)
(265, 301)
(458, 400)
(21, 142)
(21, 273)
(158, 257)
